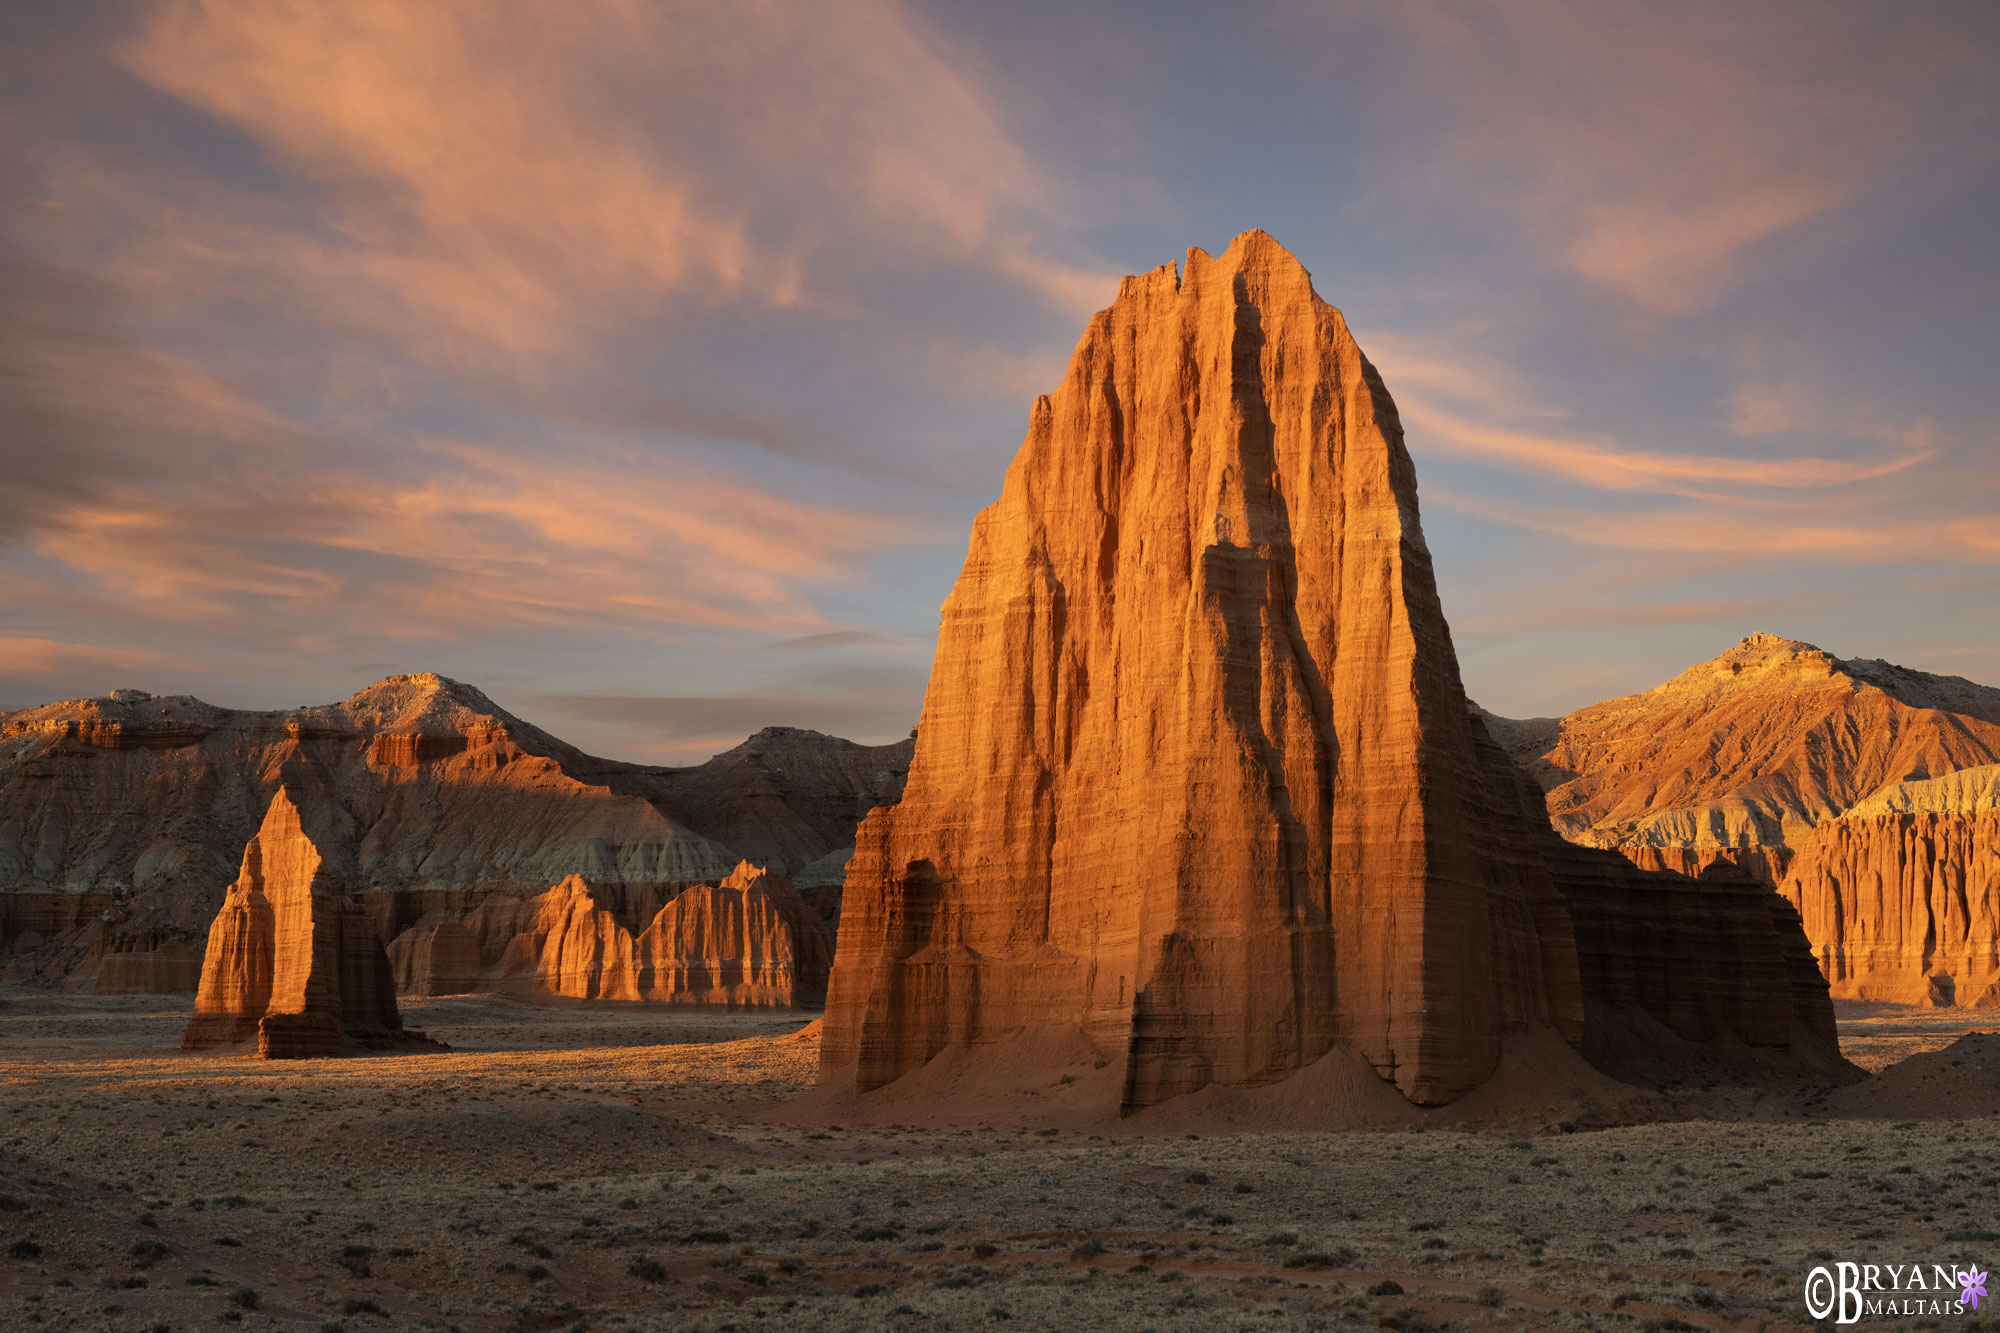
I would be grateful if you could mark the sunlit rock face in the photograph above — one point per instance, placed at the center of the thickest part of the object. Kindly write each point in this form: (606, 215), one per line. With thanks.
(1741, 757)
(292, 960)
(749, 941)
(1196, 774)
(1901, 894)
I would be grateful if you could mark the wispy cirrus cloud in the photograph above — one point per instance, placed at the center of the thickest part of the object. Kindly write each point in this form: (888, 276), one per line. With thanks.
(1604, 466)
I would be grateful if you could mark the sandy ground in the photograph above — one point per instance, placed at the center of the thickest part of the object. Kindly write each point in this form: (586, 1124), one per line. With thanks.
(617, 1169)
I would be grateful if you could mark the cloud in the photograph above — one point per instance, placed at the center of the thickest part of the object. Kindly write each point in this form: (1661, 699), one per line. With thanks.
(1658, 151)
(1615, 615)
(1606, 467)
(508, 177)
(477, 539)
(25, 658)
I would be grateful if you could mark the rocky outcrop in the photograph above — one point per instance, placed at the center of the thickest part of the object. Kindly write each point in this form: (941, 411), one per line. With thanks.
(291, 958)
(1901, 895)
(1739, 758)
(750, 941)
(1196, 775)
(121, 817)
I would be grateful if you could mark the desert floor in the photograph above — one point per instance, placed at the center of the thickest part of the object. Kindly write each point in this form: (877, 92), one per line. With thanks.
(616, 1169)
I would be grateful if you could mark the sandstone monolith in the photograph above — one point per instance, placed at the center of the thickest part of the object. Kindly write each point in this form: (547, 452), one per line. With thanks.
(1196, 777)
(291, 958)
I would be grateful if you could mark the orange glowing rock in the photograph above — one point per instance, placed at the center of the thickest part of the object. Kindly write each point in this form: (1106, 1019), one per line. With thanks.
(291, 958)
(1196, 778)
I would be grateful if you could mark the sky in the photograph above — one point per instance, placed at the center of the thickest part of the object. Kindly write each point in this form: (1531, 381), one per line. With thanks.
(644, 364)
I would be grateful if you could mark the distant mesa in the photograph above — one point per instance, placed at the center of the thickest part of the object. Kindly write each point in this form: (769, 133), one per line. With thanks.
(750, 941)
(291, 959)
(1863, 791)
(122, 818)
(1197, 790)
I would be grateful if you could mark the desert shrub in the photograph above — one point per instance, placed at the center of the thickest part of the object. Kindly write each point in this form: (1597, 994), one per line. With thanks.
(24, 1249)
(646, 1269)
(1490, 1297)
(244, 1298)
(1386, 1287)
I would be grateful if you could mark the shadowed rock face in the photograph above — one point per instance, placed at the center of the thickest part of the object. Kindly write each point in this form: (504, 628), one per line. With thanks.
(1196, 773)
(291, 959)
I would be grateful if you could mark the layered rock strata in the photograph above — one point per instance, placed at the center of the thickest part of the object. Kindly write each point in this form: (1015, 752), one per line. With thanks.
(749, 941)
(291, 959)
(1196, 774)
(121, 817)
(1740, 758)
(1901, 895)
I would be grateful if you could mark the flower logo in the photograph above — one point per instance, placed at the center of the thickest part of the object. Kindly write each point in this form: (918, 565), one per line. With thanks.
(1975, 1286)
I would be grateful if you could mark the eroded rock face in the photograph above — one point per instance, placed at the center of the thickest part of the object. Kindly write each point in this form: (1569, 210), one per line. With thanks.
(1739, 758)
(1196, 775)
(121, 817)
(1195, 772)
(1901, 895)
(291, 959)
(750, 941)
(1858, 788)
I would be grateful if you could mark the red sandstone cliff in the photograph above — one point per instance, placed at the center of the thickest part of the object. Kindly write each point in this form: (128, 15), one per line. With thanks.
(1196, 774)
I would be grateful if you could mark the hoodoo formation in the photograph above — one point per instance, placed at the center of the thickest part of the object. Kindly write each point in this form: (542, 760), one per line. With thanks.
(750, 941)
(1197, 778)
(292, 960)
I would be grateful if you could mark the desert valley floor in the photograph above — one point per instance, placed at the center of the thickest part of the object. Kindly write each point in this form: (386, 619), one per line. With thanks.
(636, 1168)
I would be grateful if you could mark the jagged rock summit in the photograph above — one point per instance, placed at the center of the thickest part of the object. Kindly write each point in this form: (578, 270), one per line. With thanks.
(1196, 781)
(291, 959)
